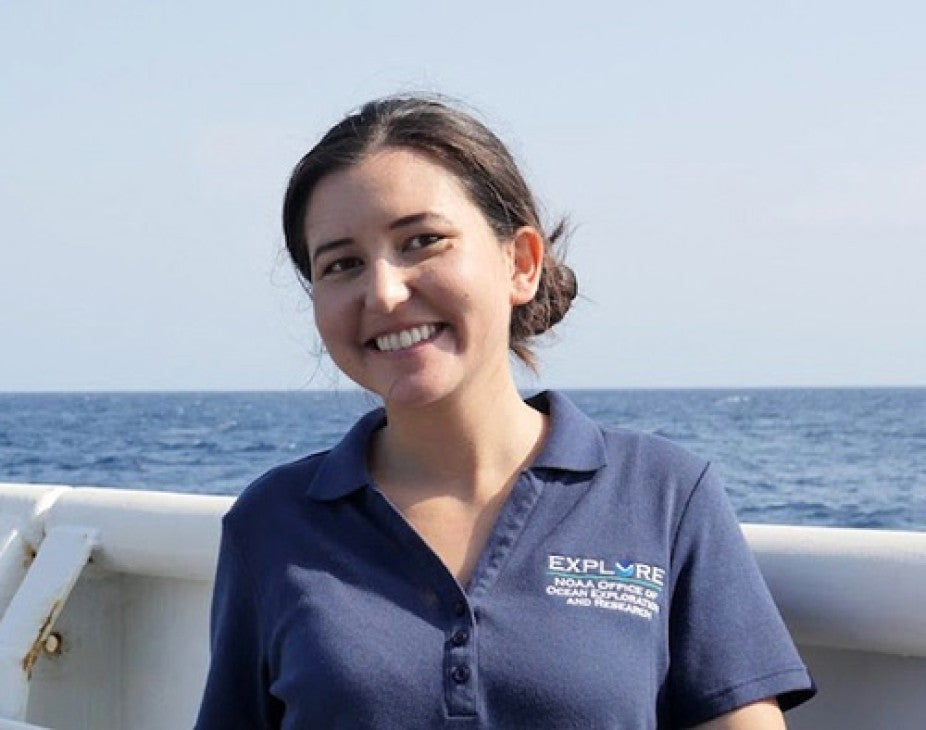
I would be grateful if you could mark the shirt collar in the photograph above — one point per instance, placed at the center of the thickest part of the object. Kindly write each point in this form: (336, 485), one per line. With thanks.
(344, 468)
(574, 443)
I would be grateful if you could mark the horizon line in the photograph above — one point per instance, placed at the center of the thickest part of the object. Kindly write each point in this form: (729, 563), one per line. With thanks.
(359, 390)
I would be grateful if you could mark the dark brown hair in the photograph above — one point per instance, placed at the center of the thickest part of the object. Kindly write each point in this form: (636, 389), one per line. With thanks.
(480, 161)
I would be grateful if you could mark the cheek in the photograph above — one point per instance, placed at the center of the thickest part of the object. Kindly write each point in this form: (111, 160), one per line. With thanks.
(330, 320)
(476, 280)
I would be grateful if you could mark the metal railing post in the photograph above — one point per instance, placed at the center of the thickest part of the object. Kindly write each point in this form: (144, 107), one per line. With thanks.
(30, 617)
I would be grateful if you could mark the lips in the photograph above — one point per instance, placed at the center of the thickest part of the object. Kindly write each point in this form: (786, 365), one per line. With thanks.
(406, 338)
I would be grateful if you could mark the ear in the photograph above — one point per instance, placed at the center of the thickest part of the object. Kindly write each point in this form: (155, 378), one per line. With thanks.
(526, 264)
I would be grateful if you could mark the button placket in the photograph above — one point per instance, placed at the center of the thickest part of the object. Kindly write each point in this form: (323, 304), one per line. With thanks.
(460, 661)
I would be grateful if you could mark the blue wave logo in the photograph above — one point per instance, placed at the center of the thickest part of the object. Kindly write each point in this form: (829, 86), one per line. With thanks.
(625, 572)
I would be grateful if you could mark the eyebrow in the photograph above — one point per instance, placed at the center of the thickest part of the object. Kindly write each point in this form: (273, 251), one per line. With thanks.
(408, 220)
(404, 221)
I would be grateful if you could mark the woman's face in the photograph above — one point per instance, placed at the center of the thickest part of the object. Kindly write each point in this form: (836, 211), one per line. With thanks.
(412, 290)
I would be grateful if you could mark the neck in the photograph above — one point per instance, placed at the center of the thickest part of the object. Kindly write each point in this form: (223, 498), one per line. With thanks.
(469, 448)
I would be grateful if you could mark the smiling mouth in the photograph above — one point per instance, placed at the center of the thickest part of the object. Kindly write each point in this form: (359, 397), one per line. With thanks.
(406, 338)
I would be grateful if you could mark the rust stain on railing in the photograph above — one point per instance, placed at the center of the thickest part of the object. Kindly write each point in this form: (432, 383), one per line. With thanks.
(29, 553)
(32, 656)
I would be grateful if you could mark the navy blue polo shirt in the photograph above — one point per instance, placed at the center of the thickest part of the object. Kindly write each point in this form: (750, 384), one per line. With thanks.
(615, 591)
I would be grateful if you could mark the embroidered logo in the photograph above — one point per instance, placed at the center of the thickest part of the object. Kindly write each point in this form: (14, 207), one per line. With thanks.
(633, 588)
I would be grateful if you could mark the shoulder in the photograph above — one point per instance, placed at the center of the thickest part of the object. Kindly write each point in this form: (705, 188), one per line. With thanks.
(317, 478)
(576, 442)
(652, 477)
(651, 455)
(630, 470)
(649, 467)
(274, 491)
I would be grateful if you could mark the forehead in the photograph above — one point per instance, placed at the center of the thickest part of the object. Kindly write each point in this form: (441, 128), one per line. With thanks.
(387, 185)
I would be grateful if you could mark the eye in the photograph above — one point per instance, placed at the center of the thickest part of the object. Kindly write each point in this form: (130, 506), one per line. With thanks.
(423, 240)
(338, 266)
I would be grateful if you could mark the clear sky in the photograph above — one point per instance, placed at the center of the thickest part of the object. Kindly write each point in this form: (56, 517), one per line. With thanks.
(747, 181)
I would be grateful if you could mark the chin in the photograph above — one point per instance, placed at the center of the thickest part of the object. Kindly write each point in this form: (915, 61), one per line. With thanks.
(411, 393)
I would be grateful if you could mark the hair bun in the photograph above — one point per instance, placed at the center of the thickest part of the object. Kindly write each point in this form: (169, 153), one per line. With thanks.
(561, 288)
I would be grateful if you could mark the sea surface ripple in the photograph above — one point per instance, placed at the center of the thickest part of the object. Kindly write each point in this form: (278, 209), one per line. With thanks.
(843, 457)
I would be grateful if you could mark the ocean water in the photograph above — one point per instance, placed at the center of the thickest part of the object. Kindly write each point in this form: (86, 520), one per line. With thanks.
(845, 457)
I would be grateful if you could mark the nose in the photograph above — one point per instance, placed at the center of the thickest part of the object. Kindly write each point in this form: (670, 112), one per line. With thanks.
(387, 287)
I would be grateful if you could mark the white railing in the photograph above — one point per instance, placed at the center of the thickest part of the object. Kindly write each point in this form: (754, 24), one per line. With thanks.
(96, 583)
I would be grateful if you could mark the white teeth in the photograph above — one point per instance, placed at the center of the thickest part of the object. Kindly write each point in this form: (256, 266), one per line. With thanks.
(405, 338)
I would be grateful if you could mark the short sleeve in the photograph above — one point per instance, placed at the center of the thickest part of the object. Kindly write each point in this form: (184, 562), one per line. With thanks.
(236, 694)
(728, 644)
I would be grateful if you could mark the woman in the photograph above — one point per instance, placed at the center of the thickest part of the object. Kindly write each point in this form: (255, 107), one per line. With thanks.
(464, 558)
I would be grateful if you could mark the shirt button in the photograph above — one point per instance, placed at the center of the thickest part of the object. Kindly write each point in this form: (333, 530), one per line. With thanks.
(459, 637)
(460, 673)
(459, 608)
